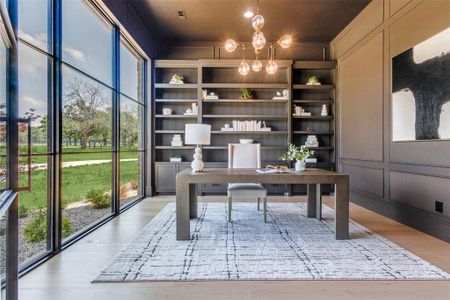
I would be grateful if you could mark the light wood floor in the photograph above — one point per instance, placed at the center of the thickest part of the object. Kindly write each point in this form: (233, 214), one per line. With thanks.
(69, 274)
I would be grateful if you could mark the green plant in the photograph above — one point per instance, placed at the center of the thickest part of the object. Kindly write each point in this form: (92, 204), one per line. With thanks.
(176, 155)
(23, 211)
(246, 94)
(297, 153)
(313, 80)
(98, 199)
(36, 229)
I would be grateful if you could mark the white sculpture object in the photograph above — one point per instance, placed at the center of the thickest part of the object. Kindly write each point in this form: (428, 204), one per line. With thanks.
(197, 134)
(324, 112)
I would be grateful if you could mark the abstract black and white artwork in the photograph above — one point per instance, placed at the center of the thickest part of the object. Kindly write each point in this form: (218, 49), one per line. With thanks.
(421, 90)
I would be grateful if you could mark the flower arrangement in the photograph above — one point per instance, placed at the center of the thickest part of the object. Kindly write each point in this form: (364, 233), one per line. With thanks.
(297, 153)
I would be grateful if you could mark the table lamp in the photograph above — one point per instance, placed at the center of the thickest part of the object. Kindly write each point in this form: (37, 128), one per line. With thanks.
(197, 134)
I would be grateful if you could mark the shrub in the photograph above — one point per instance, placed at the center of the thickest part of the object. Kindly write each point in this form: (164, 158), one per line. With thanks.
(36, 229)
(23, 212)
(98, 199)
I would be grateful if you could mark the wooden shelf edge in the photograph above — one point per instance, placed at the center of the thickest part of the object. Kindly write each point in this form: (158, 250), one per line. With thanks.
(245, 101)
(176, 86)
(281, 117)
(246, 85)
(273, 132)
(313, 117)
(315, 64)
(313, 87)
(176, 100)
(313, 132)
(175, 117)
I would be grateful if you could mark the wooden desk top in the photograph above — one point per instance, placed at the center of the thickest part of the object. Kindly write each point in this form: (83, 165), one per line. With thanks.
(225, 175)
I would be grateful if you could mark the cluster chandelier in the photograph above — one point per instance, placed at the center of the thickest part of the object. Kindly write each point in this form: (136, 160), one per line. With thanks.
(258, 43)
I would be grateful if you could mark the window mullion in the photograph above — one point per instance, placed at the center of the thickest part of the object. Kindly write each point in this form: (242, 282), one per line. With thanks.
(116, 122)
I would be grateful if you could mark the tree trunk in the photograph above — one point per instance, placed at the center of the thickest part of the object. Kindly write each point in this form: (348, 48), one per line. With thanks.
(83, 142)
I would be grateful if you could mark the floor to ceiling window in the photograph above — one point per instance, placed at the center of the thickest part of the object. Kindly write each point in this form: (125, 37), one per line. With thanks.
(131, 120)
(87, 119)
(35, 56)
(98, 154)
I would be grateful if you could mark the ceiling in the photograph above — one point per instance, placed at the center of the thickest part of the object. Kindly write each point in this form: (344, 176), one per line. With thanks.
(217, 20)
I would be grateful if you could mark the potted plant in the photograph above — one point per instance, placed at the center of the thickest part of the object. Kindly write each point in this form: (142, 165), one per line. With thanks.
(246, 94)
(175, 158)
(299, 154)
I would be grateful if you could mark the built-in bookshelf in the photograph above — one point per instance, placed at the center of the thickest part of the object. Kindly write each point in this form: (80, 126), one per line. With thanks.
(221, 78)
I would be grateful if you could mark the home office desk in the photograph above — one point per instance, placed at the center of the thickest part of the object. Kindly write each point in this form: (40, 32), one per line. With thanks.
(187, 181)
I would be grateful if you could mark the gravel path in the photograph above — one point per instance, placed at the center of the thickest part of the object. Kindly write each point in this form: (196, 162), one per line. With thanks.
(81, 214)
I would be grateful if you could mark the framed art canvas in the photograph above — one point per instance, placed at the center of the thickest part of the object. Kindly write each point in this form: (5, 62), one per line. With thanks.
(421, 91)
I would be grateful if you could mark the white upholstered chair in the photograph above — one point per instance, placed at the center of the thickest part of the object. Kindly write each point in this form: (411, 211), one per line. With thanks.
(244, 156)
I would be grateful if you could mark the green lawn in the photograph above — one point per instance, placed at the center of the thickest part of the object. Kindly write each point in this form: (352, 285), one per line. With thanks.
(77, 181)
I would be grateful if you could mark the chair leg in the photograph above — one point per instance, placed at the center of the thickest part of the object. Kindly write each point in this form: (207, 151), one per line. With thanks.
(230, 201)
(257, 206)
(265, 209)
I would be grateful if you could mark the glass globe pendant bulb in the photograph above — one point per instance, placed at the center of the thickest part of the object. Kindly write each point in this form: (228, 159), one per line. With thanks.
(258, 22)
(244, 68)
(271, 67)
(257, 65)
(285, 41)
(258, 40)
(230, 45)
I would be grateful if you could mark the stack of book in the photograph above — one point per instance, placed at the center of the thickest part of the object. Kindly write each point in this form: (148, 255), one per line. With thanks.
(252, 125)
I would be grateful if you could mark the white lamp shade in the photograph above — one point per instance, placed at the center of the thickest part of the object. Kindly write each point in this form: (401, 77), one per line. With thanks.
(197, 134)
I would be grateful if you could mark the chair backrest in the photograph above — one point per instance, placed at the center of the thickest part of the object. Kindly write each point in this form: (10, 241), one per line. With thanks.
(241, 156)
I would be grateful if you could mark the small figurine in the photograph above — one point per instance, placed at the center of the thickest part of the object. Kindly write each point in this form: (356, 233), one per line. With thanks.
(177, 79)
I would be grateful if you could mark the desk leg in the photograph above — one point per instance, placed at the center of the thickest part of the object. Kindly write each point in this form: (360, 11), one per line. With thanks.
(183, 211)
(342, 209)
(318, 202)
(193, 200)
(311, 209)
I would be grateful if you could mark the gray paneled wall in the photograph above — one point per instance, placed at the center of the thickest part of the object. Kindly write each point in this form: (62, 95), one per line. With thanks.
(406, 181)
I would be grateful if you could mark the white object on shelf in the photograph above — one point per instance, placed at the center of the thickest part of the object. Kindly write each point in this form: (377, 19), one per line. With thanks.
(167, 111)
(189, 112)
(212, 96)
(177, 141)
(306, 114)
(175, 159)
(194, 108)
(246, 141)
(324, 112)
(311, 141)
(311, 160)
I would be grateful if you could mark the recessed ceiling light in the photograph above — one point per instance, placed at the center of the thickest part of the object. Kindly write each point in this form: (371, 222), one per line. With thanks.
(248, 14)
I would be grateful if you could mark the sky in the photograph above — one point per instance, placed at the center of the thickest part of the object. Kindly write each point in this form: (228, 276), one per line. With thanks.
(86, 44)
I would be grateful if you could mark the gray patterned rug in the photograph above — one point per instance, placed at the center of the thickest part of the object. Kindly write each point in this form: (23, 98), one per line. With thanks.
(289, 247)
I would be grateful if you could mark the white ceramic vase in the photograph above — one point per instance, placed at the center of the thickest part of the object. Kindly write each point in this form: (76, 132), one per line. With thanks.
(300, 166)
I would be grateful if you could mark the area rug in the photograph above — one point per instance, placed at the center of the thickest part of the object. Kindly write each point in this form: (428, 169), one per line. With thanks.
(289, 247)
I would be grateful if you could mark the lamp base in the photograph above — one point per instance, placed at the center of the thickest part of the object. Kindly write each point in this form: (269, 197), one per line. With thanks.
(197, 164)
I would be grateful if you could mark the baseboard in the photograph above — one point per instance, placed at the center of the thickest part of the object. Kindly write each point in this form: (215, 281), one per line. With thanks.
(430, 223)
